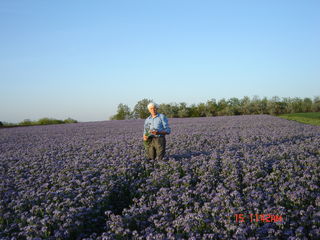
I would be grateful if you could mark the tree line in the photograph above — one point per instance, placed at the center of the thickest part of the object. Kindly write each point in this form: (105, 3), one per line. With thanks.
(41, 121)
(223, 107)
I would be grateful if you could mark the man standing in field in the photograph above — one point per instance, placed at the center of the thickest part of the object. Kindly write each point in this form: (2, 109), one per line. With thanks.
(156, 126)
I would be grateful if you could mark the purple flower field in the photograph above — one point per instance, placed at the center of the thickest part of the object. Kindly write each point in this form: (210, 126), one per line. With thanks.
(232, 177)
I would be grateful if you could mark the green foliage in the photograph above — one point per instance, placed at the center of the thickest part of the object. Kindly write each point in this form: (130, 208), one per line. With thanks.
(46, 121)
(308, 118)
(170, 110)
(222, 107)
(212, 107)
(26, 122)
(122, 113)
(42, 121)
(1, 124)
(232, 106)
(70, 120)
(140, 109)
(316, 104)
(183, 110)
(7, 124)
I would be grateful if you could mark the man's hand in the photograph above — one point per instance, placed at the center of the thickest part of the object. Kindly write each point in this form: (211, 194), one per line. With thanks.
(145, 138)
(154, 132)
(157, 132)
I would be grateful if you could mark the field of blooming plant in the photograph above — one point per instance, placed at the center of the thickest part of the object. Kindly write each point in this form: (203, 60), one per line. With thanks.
(239, 177)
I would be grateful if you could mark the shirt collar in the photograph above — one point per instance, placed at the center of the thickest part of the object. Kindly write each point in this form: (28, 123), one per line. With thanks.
(154, 117)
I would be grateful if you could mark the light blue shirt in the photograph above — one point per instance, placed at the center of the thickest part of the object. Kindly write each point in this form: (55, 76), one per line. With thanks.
(159, 123)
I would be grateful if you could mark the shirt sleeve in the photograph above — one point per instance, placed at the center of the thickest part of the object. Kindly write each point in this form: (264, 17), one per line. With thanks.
(165, 124)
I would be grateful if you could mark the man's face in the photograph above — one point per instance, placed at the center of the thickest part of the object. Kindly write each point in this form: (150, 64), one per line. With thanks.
(153, 110)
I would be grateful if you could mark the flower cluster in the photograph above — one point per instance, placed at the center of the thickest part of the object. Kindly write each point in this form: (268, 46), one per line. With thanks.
(92, 181)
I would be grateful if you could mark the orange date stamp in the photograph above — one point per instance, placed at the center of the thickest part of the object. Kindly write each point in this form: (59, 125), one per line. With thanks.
(257, 218)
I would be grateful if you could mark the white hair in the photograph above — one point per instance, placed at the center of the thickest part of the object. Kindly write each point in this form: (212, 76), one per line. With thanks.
(152, 104)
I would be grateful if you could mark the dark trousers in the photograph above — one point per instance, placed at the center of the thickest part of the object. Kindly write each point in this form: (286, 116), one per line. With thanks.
(155, 147)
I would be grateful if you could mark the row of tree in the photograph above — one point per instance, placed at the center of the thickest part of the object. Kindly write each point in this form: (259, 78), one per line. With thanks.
(232, 106)
(41, 121)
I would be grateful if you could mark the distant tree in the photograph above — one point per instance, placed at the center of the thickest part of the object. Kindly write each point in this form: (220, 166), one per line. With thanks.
(122, 113)
(47, 121)
(222, 105)
(307, 105)
(183, 110)
(70, 120)
(5, 124)
(44, 121)
(140, 109)
(234, 106)
(245, 105)
(193, 112)
(288, 102)
(263, 106)
(254, 107)
(26, 122)
(175, 110)
(280, 108)
(202, 110)
(272, 105)
(1, 124)
(166, 109)
(276, 106)
(297, 105)
(316, 104)
(212, 107)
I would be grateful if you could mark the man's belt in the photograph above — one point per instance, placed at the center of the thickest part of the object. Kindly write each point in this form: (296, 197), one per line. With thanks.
(157, 136)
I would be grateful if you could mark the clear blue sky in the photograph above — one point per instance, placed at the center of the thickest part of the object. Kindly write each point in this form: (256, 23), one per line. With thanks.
(80, 59)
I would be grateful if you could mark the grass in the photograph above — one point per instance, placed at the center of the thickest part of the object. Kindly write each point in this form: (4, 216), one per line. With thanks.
(312, 118)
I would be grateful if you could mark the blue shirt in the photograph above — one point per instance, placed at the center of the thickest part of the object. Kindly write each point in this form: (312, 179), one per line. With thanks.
(159, 123)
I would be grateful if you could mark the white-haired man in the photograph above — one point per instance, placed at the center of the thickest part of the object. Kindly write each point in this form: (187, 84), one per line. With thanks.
(156, 126)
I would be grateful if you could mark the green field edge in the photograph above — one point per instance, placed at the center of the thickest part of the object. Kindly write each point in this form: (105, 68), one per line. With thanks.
(311, 118)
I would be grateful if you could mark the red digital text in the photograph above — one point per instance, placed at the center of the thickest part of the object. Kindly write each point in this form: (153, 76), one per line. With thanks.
(257, 218)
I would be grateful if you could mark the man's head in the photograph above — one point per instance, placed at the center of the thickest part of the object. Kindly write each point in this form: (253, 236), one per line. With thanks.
(152, 107)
